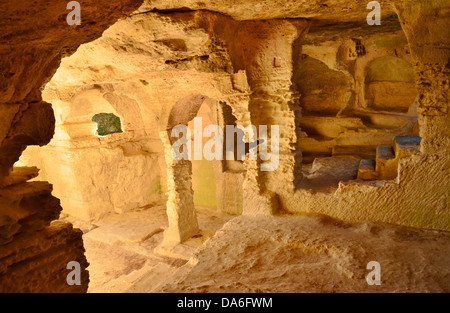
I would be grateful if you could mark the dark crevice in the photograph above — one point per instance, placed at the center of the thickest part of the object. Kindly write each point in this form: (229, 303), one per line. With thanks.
(167, 11)
(181, 10)
(200, 57)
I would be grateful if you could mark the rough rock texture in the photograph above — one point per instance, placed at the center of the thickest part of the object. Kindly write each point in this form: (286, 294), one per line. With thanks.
(415, 198)
(251, 57)
(33, 252)
(275, 9)
(315, 254)
(30, 66)
(121, 250)
(430, 52)
(357, 88)
(36, 261)
(34, 37)
(26, 207)
(179, 55)
(335, 86)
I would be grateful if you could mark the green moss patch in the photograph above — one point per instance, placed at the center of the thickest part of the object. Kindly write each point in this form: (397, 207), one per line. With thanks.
(107, 123)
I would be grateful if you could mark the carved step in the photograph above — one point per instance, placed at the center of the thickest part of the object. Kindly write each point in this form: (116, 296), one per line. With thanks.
(385, 153)
(386, 163)
(365, 152)
(366, 170)
(405, 146)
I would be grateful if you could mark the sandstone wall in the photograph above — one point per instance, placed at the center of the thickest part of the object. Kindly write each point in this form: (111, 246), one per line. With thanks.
(247, 64)
(138, 75)
(420, 195)
(357, 88)
(34, 37)
(350, 110)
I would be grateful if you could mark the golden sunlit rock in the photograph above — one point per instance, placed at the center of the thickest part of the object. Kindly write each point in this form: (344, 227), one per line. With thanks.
(121, 136)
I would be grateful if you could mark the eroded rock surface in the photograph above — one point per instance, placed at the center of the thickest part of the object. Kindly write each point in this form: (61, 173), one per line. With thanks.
(315, 254)
(337, 88)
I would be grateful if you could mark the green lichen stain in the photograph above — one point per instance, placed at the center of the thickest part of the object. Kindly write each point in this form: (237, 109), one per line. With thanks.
(157, 187)
(107, 123)
(203, 183)
(239, 204)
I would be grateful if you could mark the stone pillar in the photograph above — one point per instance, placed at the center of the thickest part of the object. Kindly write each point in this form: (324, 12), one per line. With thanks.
(426, 25)
(180, 203)
(265, 50)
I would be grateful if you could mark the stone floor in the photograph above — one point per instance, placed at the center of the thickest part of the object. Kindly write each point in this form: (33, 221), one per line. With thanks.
(302, 253)
(125, 252)
(311, 253)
